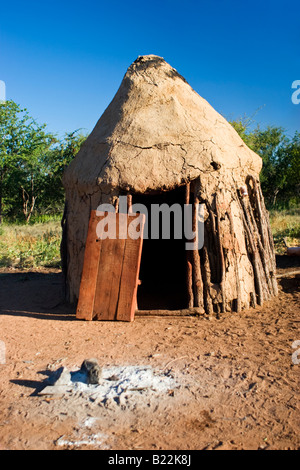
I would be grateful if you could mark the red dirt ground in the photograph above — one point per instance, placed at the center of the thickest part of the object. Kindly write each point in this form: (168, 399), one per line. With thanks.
(239, 385)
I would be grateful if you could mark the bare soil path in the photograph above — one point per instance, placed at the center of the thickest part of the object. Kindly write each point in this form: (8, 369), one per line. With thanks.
(238, 385)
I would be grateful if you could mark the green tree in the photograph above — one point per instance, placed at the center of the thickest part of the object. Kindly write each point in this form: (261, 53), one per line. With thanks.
(56, 160)
(22, 144)
(32, 162)
(280, 173)
(289, 167)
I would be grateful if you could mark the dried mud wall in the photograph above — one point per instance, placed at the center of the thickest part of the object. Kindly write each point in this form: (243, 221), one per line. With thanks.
(236, 267)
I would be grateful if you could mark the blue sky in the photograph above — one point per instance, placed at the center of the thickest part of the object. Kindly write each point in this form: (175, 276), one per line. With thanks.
(64, 60)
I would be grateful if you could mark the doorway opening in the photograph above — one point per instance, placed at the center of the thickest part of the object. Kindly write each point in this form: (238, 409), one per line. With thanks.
(163, 263)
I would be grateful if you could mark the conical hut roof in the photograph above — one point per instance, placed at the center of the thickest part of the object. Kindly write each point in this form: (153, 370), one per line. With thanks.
(156, 134)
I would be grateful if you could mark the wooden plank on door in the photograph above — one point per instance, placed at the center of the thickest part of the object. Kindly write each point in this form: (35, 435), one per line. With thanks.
(127, 302)
(109, 282)
(89, 275)
(109, 275)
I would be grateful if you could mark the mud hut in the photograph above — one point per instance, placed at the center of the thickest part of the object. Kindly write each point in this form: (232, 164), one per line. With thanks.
(159, 142)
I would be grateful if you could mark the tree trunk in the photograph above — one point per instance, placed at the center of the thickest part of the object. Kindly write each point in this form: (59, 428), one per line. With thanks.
(27, 211)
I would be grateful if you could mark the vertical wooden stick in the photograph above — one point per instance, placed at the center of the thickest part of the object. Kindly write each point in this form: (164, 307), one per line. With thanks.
(236, 266)
(265, 241)
(272, 259)
(221, 256)
(216, 270)
(253, 250)
(197, 278)
(189, 268)
(117, 205)
(189, 280)
(129, 203)
(206, 283)
(263, 254)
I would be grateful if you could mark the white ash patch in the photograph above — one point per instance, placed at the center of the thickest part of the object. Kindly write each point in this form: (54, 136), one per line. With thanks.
(116, 383)
(93, 440)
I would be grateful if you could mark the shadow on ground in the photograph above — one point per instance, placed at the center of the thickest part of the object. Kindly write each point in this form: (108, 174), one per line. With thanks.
(37, 295)
(41, 295)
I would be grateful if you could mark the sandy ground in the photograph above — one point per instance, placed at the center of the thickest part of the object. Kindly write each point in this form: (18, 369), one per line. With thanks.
(238, 385)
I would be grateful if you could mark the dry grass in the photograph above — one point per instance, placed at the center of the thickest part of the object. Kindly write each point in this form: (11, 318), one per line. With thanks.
(285, 228)
(26, 246)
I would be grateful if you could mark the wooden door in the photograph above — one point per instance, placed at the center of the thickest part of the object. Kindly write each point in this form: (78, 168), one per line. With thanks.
(109, 281)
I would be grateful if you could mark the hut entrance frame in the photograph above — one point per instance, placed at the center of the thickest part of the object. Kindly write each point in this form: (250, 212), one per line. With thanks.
(163, 263)
(162, 266)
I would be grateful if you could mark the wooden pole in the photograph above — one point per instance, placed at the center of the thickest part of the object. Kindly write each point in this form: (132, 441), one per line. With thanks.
(253, 250)
(197, 278)
(117, 205)
(265, 241)
(269, 238)
(216, 270)
(189, 267)
(206, 274)
(129, 203)
(221, 256)
(263, 253)
(215, 220)
(236, 266)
